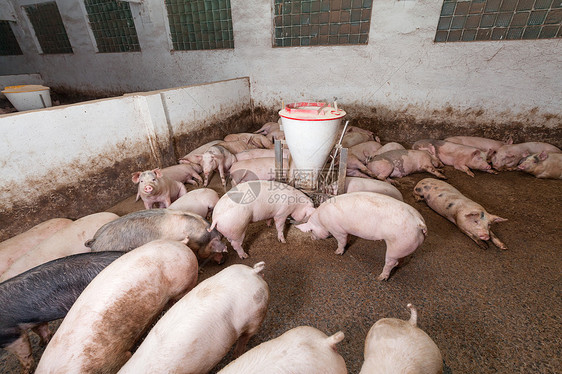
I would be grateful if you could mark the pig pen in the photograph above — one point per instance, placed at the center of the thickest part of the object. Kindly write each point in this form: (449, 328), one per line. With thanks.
(489, 311)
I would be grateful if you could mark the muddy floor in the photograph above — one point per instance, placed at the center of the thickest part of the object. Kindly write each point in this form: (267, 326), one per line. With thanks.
(489, 311)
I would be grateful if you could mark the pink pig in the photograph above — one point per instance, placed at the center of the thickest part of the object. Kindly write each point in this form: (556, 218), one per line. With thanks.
(355, 168)
(461, 157)
(484, 144)
(154, 187)
(185, 172)
(371, 216)
(262, 168)
(268, 128)
(200, 201)
(509, 156)
(402, 162)
(216, 157)
(259, 141)
(543, 165)
(365, 150)
(259, 153)
(257, 201)
(470, 217)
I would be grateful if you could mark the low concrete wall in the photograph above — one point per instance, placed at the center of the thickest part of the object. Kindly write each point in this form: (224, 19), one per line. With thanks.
(72, 160)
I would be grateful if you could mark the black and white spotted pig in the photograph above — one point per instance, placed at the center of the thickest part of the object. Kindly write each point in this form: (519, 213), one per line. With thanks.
(470, 217)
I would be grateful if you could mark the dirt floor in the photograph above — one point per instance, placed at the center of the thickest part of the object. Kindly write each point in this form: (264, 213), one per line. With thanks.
(489, 311)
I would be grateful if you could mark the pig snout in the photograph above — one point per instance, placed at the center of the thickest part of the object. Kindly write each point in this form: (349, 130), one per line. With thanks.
(484, 236)
(148, 189)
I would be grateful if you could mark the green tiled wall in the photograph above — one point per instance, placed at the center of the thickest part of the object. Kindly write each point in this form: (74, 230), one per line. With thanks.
(48, 26)
(200, 24)
(499, 20)
(8, 44)
(113, 26)
(321, 22)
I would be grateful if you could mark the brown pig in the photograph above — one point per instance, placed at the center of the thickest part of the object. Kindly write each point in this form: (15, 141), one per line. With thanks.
(117, 307)
(17, 246)
(303, 349)
(470, 217)
(543, 165)
(198, 331)
(257, 201)
(371, 216)
(156, 188)
(402, 162)
(397, 346)
(185, 172)
(461, 157)
(509, 156)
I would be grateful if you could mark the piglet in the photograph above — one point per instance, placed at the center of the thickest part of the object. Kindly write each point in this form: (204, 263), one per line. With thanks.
(15, 247)
(201, 201)
(42, 294)
(198, 331)
(185, 172)
(484, 144)
(117, 307)
(303, 349)
(257, 201)
(138, 228)
(470, 217)
(543, 165)
(461, 157)
(156, 188)
(366, 150)
(402, 162)
(258, 140)
(371, 216)
(396, 346)
(65, 242)
(200, 150)
(508, 157)
(216, 157)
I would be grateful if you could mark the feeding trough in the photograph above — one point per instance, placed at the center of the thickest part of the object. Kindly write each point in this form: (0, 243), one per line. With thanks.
(311, 129)
(28, 97)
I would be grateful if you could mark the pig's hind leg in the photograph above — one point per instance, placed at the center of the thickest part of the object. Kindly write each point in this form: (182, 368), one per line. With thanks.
(237, 245)
(280, 226)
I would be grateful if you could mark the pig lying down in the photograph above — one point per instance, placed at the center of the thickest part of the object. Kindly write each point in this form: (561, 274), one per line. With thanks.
(508, 157)
(198, 331)
(257, 201)
(484, 144)
(42, 294)
(303, 349)
(15, 247)
(65, 242)
(402, 162)
(138, 228)
(114, 310)
(396, 346)
(543, 165)
(156, 188)
(470, 217)
(371, 216)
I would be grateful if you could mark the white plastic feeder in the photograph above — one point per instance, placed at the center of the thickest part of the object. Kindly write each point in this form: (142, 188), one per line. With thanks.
(310, 132)
(28, 97)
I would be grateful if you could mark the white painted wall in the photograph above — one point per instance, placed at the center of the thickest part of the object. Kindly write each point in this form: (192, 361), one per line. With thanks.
(53, 147)
(401, 69)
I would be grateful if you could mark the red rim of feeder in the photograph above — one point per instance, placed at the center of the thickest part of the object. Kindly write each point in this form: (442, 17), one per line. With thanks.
(303, 108)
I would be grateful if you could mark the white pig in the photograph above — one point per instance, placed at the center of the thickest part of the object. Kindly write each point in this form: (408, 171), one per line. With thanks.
(396, 346)
(198, 331)
(543, 165)
(254, 169)
(371, 216)
(15, 247)
(65, 242)
(355, 184)
(156, 188)
(257, 201)
(257, 140)
(484, 144)
(470, 217)
(114, 310)
(185, 172)
(200, 201)
(259, 153)
(508, 157)
(216, 157)
(303, 349)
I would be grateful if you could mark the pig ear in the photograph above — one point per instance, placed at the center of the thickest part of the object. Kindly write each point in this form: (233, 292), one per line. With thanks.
(490, 154)
(476, 152)
(543, 156)
(186, 240)
(158, 173)
(136, 177)
(509, 140)
(525, 154)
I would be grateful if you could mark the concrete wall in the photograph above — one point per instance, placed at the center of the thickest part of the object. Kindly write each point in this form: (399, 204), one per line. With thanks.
(401, 73)
(72, 160)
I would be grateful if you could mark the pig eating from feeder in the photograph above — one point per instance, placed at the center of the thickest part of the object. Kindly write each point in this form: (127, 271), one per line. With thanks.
(156, 188)
(371, 216)
(470, 217)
